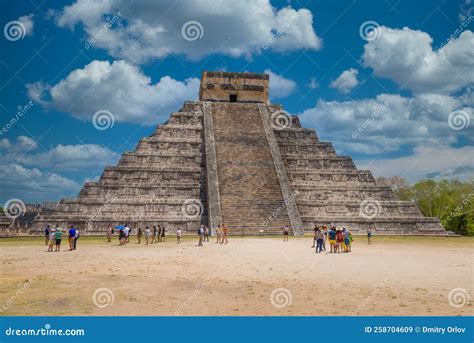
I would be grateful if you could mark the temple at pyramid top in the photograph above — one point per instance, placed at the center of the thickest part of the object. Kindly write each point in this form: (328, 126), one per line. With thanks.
(234, 87)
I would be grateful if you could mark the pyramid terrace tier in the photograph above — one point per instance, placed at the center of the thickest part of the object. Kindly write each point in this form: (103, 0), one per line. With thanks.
(296, 135)
(158, 174)
(347, 193)
(366, 208)
(300, 149)
(382, 226)
(101, 190)
(141, 159)
(305, 176)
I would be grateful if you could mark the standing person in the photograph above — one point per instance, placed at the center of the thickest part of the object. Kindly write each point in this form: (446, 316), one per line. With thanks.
(339, 240)
(153, 234)
(76, 237)
(369, 235)
(225, 232)
(218, 234)
(47, 230)
(178, 236)
(72, 233)
(126, 233)
(325, 235)
(51, 240)
(139, 235)
(286, 232)
(58, 235)
(347, 241)
(206, 234)
(158, 235)
(332, 239)
(163, 232)
(200, 234)
(147, 235)
(315, 229)
(121, 236)
(319, 240)
(109, 233)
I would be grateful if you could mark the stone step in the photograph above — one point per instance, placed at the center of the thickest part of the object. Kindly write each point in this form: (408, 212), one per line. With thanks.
(248, 185)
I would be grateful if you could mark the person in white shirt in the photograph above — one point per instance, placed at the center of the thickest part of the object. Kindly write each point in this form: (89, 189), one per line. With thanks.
(178, 236)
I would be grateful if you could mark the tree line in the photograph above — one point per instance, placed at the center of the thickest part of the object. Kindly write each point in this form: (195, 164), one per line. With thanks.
(452, 201)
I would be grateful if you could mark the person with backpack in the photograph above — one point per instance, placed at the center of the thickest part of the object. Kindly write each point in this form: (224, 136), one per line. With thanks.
(76, 237)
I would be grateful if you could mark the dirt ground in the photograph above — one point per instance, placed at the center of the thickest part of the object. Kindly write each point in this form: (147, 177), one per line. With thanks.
(249, 276)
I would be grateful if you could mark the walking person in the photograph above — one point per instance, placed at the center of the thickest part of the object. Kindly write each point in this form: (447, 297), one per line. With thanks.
(206, 234)
(147, 235)
(139, 235)
(286, 232)
(225, 232)
(158, 234)
(201, 235)
(178, 236)
(77, 235)
(47, 230)
(58, 235)
(369, 235)
(163, 234)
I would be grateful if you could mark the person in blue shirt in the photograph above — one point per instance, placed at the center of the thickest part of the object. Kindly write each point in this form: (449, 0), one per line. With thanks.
(72, 234)
(76, 237)
(332, 239)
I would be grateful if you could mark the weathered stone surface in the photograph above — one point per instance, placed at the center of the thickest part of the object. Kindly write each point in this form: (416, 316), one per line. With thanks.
(224, 156)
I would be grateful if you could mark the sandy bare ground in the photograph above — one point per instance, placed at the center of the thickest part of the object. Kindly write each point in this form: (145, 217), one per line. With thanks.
(249, 276)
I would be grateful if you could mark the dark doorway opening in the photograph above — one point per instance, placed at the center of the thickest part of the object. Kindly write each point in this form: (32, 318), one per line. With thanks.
(233, 97)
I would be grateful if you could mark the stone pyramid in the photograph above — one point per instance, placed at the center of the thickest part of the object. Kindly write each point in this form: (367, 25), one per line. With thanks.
(234, 158)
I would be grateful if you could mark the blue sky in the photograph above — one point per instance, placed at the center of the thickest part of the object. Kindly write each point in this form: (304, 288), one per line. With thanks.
(388, 82)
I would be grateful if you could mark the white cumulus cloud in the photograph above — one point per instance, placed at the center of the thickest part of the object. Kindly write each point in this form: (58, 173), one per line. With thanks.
(118, 87)
(279, 86)
(346, 81)
(407, 57)
(153, 29)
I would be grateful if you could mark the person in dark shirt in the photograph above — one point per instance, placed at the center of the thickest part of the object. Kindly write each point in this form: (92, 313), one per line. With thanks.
(332, 239)
(46, 234)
